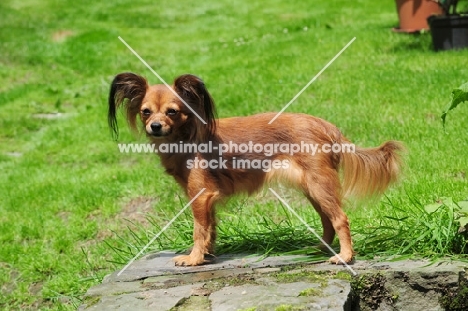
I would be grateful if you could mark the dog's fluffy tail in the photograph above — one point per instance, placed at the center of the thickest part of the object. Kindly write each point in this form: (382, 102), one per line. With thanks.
(369, 171)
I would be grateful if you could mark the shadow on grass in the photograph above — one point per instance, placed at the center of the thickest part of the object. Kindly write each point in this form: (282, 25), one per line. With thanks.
(419, 41)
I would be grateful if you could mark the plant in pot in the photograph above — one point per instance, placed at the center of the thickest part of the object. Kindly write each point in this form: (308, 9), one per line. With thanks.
(413, 14)
(450, 29)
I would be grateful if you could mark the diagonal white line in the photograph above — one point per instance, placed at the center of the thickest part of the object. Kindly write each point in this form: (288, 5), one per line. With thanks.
(161, 232)
(313, 231)
(160, 78)
(313, 79)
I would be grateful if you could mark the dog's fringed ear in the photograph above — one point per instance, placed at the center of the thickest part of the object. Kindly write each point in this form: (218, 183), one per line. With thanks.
(192, 89)
(127, 89)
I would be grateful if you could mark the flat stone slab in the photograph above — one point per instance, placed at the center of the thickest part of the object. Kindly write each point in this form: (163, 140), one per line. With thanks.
(162, 264)
(300, 295)
(161, 299)
(247, 282)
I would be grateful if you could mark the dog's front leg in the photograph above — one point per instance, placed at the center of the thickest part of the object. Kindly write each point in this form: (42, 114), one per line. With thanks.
(204, 231)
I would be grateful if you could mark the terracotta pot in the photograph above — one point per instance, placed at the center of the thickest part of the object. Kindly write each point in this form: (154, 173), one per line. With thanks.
(413, 14)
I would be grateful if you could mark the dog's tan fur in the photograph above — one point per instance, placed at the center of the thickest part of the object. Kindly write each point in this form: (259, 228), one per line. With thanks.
(167, 119)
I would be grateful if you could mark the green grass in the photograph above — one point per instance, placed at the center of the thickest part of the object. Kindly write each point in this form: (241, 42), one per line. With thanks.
(65, 191)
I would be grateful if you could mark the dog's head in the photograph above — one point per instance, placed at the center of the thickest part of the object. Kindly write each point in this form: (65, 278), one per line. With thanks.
(183, 111)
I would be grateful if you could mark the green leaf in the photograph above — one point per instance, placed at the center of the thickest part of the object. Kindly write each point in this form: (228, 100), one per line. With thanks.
(463, 221)
(463, 224)
(463, 205)
(459, 96)
(448, 201)
(431, 208)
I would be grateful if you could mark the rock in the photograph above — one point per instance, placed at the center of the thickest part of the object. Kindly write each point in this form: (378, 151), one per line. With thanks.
(407, 285)
(236, 282)
(115, 289)
(160, 299)
(291, 294)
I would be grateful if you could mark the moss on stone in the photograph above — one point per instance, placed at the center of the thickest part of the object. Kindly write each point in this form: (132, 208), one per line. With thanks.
(455, 299)
(369, 292)
(193, 303)
(313, 291)
(91, 301)
(343, 275)
(302, 276)
(289, 308)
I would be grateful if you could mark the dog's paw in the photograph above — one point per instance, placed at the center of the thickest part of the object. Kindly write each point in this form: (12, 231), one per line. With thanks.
(188, 260)
(341, 259)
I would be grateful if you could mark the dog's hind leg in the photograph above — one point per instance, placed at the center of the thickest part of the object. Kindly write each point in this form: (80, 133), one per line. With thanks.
(323, 189)
(328, 230)
(204, 230)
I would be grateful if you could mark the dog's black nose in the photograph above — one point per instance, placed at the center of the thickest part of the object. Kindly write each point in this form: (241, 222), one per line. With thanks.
(156, 126)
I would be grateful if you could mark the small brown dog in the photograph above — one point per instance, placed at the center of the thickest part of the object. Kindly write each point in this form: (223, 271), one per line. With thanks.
(240, 154)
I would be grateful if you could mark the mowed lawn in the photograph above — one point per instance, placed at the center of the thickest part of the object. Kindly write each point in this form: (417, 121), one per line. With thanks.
(73, 209)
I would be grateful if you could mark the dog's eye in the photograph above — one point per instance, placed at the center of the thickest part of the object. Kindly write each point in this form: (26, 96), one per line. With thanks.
(171, 112)
(146, 112)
